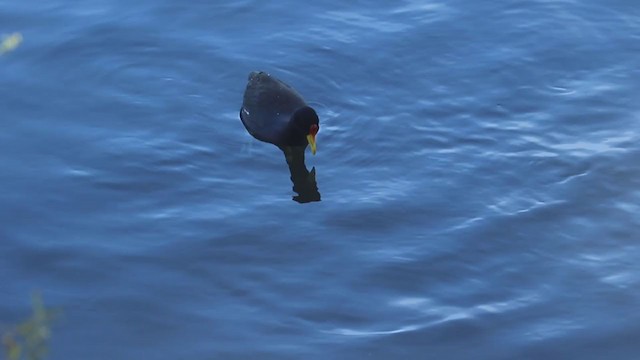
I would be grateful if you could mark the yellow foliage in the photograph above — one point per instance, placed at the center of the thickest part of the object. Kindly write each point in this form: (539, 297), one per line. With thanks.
(10, 42)
(30, 338)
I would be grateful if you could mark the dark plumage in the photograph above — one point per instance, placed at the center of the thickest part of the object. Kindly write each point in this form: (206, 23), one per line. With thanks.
(274, 112)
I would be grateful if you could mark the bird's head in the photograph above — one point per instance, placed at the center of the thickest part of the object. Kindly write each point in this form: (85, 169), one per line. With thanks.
(307, 123)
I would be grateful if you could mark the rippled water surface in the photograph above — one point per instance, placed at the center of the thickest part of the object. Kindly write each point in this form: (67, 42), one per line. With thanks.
(477, 164)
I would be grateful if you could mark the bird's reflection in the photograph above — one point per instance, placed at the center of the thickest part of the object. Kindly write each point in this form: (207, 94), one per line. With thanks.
(304, 181)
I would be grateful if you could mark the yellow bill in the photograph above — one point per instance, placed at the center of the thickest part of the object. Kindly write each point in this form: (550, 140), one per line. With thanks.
(312, 142)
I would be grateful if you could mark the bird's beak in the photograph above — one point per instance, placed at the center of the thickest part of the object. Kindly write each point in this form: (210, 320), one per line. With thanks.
(312, 142)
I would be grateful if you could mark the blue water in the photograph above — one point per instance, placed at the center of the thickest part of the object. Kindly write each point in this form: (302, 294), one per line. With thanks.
(477, 164)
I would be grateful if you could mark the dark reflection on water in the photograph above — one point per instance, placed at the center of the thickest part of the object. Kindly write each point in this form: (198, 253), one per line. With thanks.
(304, 181)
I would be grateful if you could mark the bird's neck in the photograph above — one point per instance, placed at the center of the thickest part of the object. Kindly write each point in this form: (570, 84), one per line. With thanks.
(294, 136)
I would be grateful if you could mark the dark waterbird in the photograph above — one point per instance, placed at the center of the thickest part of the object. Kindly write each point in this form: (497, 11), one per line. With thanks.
(274, 112)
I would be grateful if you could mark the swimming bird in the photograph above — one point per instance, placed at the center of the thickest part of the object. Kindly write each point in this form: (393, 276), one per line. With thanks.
(274, 112)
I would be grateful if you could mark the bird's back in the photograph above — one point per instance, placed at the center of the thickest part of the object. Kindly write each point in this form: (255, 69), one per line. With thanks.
(267, 107)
